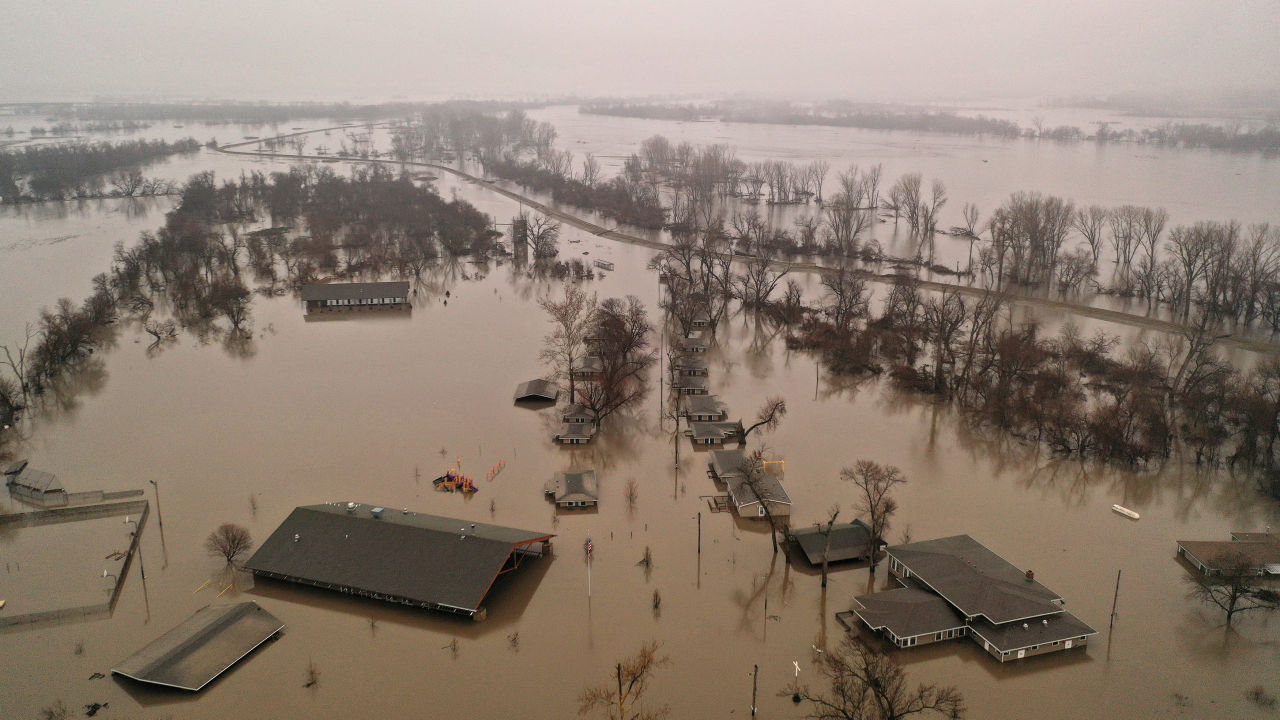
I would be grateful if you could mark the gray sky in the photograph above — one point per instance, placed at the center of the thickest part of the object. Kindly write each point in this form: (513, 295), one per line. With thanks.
(872, 50)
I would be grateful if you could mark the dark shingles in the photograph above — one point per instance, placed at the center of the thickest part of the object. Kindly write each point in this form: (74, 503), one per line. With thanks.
(907, 612)
(1037, 631)
(848, 541)
(411, 556)
(355, 291)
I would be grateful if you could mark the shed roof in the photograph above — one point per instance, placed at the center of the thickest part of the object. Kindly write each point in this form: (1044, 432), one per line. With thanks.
(355, 290)
(976, 580)
(202, 647)
(421, 558)
(848, 541)
(575, 486)
(38, 480)
(1215, 554)
(537, 390)
(907, 612)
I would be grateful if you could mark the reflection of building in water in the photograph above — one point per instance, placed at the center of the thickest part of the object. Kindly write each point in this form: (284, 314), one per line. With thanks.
(955, 586)
(332, 297)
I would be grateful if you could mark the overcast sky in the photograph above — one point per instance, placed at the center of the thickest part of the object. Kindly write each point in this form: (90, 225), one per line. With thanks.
(870, 50)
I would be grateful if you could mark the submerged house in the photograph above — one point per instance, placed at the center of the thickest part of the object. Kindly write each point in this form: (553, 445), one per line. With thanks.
(537, 391)
(35, 486)
(404, 557)
(956, 587)
(590, 367)
(849, 541)
(703, 408)
(690, 385)
(574, 489)
(690, 366)
(577, 413)
(694, 342)
(713, 433)
(748, 497)
(1249, 552)
(575, 433)
(330, 297)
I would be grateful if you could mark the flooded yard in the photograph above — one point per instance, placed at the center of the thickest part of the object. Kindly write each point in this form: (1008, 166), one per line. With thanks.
(369, 407)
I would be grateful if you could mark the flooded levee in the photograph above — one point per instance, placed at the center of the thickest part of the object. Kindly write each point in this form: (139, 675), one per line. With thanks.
(370, 407)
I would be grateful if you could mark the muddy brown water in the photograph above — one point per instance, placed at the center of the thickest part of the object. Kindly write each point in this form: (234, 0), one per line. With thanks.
(357, 408)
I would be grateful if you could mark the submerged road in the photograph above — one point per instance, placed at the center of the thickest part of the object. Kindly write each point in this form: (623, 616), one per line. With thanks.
(1113, 316)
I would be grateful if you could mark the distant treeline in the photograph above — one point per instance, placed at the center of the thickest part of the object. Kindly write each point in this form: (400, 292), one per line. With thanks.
(1187, 135)
(247, 113)
(80, 170)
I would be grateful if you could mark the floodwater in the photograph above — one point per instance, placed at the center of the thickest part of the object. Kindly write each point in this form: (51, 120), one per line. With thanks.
(369, 407)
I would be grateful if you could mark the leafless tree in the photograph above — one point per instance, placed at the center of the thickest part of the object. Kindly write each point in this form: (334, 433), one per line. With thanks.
(590, 170)
(756, 285)
(866, 684)
(18, 361)
(875, 482)
(621, 697)
(848, 298)
(229, 541)
(943, 317)
(625, 355)
(768, 417)
(1090, 223)
(1237, 589)
(160, 329)
(833, 513)
(543, 235)
(818, 170)
(1125, 222)
(754, 478)
(572, 318)
(844, 223)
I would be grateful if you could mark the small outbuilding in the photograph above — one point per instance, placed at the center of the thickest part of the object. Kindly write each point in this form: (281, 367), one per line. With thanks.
(537, 391)
(849, 541)
(37, 486)
(574, 489)
(575, 433)
(1251, 552)
(193, 654)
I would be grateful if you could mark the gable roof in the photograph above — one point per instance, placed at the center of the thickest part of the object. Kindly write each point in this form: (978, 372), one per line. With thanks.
(424, 559)
(576, 431)
(728, 463)
(37, 480)
(976, 580)
(1010, 637)
(703, 405)
(537, 390)
(202, 647)
(577, 412)
(355, 290)
(768, 488)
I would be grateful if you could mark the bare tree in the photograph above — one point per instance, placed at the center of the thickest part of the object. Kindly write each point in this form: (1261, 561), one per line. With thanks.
(572, 318)
(229, 541)
(875, 481)
(543, 235)
(1089, 222)
(18, 361)
(818, 169)
(848, 298)
(869, 685)
(1236, 589)
(754, 478)
(590, 170)
(625, 355)
(768, 417)
(620, 698)
(826, 535)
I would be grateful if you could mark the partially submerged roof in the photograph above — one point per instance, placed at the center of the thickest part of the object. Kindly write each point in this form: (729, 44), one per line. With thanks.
(537, 390)
(767, 488)
(690, 381)
(37, 480)
(576, 431)
(355, 290)
(589, 364)
(1218, 555)
(848, 541)
(201, 648)
(907, 612)
(575, 486)
(1036, 631)
(1242, 536)
(405, 556)
(703, 405)
(728, 463)
(700, 431)
(689, 362)
(577, 413)
(976, 580)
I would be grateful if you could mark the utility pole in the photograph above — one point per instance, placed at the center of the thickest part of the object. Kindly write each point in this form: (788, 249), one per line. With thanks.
(1115, 601)
(699, 532)
(755, 676)
(160, 517)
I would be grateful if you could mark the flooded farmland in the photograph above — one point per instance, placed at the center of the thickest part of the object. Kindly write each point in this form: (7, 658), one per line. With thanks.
(369, 407)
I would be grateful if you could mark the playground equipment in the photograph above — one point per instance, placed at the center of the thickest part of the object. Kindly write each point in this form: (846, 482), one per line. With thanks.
(453, 480)
(497, 468)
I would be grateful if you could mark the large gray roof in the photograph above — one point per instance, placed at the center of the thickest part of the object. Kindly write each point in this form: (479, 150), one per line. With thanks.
(355, 291)
(421, 558)
(728, 463)
(38, 480)
(768, 488)
(702, 404)
(575, 486)
(537, 390)
(848, 541)
(201, 648)
(976, 580)
(1038, 631)
(722, 430)
(907, 612)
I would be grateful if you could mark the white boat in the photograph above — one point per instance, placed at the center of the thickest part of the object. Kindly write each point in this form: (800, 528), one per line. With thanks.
(1125, 511)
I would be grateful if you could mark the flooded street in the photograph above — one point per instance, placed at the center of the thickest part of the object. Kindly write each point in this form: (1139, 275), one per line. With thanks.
(369, 407)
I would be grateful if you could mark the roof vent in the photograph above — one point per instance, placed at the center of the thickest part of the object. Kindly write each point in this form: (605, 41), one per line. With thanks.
(1025, 626)
(296, 537)
(1031, 575)
(1045, 622)
(351, 508)
(376, 512)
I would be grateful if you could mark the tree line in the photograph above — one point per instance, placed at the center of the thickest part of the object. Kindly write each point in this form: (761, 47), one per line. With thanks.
(85, 170)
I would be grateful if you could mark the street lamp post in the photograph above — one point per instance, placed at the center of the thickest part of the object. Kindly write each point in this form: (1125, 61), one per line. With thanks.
(137, 545)
(164, 549)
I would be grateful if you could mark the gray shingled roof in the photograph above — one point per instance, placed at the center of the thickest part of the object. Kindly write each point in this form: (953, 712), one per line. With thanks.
(355, 290)
(1038, 631)
(907, 612)
(976, 580)
(848, 541)
(768, 488)
(201, 648)
(575, 486)
(727, 463)
(703, 405)
(537, 390)
(580, 431)
(38, 480)
(714, 430)
(1213, 554)
(424, 559)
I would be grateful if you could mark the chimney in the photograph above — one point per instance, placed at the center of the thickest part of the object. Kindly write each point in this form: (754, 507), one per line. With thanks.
(1031, 575)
